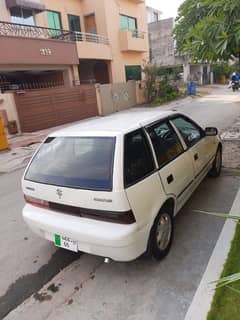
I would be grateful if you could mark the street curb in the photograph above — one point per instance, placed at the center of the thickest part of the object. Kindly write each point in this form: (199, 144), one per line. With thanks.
(203, 297)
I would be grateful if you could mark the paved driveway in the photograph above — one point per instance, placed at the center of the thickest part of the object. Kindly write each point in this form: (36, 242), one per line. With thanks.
(89, 289)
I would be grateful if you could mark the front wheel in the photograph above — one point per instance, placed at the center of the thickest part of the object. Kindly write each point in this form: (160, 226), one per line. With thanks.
(161, 236)
(217, 164)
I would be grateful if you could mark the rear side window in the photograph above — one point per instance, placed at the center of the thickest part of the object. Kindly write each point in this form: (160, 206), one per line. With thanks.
(190, 132)
(77, 162)
(138, 160)
(165, 142)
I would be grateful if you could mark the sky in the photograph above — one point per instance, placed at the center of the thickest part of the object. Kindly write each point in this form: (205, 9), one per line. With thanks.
(168, 7)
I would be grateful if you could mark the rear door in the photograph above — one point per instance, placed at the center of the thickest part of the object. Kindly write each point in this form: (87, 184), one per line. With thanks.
(174, 165)
(142, 184)
(76, 172)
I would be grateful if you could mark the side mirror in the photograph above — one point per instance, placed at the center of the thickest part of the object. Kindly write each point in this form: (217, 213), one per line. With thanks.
(211, 131)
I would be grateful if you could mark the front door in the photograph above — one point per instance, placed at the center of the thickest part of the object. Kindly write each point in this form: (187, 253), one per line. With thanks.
(197, 143)
(101, 72)
(175, 165)
(90, 27)
(90, 24)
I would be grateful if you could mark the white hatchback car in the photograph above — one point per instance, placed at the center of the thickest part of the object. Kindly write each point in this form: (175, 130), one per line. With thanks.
(111, 186)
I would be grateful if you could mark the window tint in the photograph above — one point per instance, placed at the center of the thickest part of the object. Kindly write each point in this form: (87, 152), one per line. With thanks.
(190, 132)
(165, 142)
(138, 161)
(78, 162)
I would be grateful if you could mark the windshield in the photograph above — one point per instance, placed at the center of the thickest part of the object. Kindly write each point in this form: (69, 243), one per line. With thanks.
(77, 162)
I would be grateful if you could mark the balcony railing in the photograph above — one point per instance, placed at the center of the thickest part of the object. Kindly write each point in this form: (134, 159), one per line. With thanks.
(29, 85)
(135, 33)
(26, 31)
(88, 37)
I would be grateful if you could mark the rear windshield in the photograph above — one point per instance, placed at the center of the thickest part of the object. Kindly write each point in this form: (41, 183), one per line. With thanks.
(77, 162)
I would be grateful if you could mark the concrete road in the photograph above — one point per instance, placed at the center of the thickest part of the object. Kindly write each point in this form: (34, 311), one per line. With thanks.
(88, 289)
(26, 261)
(220, 108)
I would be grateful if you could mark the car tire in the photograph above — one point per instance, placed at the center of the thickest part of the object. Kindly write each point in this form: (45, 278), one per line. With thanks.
(217, 164)
(161, 235)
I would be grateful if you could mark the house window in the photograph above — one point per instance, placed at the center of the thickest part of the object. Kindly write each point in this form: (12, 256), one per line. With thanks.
(74, 23)
(128, 23)
(22, 16)
(133, 73)
(54, 20)
(155, 16)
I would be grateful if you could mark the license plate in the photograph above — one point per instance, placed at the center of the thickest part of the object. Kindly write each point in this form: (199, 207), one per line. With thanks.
(65, 242)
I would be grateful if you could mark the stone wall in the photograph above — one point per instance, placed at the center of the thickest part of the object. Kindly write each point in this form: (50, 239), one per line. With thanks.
(119, 96)
(8, 108)
(162, 51)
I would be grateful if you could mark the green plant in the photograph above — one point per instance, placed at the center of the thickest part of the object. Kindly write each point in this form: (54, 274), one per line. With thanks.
(161, 83)
(208, 31)
(151, 72)
(223, 69)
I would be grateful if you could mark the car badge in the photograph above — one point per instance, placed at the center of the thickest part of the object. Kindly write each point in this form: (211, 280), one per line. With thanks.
(59, 193)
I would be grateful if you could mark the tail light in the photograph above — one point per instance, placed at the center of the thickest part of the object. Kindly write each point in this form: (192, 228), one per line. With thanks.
(36, 202)
(126, 217)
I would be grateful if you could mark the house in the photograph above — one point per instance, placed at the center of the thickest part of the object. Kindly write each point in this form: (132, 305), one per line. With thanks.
(63, 44)
(153, 15)
(163, 52)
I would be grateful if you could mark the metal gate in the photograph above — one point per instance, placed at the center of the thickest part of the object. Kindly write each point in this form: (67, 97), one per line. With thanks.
(46, 108)
(206, 76)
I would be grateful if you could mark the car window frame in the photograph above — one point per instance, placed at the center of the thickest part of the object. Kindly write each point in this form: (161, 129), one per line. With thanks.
(203, 135)
(159, 122)
(110, 189)
(151, 152)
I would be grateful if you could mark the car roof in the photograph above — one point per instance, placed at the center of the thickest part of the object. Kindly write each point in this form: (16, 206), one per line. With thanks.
(115, 124)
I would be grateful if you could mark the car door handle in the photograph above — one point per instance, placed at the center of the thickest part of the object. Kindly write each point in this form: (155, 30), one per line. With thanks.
(196, 156)
(170, 179)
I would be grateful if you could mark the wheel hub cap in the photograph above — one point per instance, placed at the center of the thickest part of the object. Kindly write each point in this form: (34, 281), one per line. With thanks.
(164, 230)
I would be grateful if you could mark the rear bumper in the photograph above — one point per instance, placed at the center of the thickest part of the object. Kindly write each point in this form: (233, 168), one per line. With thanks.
(115, 241)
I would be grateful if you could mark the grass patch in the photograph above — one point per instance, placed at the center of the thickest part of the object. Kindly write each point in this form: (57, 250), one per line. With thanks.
(226, 301)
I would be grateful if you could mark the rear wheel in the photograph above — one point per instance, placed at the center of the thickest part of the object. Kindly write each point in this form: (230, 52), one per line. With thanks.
(161, 236)
(217, 164)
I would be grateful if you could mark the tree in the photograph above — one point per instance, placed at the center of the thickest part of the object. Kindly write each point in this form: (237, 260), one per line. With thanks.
(209, 31)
